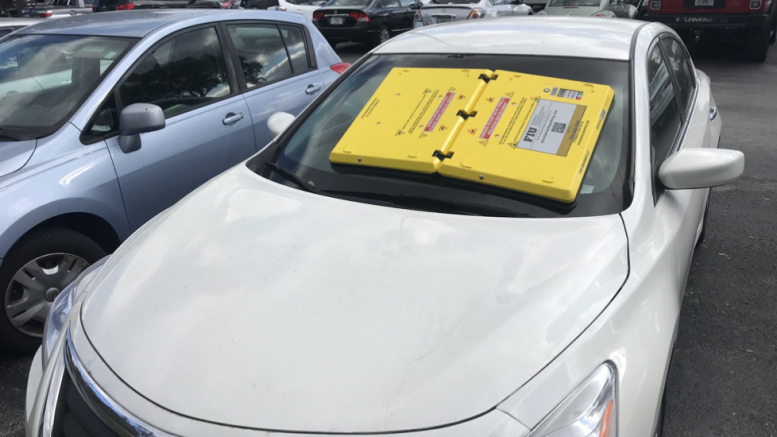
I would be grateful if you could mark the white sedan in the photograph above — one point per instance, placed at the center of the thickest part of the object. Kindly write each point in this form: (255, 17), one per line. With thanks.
(294, 296)
(446, 11)
(591, 8)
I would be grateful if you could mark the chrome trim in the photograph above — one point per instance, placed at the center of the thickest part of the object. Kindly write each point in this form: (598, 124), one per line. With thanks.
(52, 397)
(117, 418)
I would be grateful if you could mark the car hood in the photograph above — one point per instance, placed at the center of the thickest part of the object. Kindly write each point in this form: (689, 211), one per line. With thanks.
(253, 304)
(14, 154)
(575, 11)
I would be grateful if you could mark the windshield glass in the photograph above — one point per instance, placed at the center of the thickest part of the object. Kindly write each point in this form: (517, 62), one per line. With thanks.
(605, 188)
(579, 3)
(349, 3)
(44, 78)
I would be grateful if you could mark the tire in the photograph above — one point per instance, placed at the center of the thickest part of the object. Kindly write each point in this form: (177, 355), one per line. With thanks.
(58, 255)
(757, 45)
(383, 35)
(660, 425)
(659, 431)
(703, 232)
(773, 35)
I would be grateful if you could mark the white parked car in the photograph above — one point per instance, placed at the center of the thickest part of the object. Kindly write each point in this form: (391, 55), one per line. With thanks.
(446, 11)
(589, 8)
(295, 296)
(304, 7)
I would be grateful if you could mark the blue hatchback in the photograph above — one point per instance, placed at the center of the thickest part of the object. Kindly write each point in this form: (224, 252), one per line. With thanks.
(108, 119)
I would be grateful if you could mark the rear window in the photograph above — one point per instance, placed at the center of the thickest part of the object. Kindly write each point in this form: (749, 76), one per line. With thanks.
(605, 188)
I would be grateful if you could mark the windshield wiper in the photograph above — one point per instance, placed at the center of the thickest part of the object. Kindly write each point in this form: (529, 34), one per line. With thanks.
(293, 177)
(411, 201)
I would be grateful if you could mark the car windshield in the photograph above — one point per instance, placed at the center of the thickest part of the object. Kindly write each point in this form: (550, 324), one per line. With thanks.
(306, 150)
(578, 3)
(45, 78)
(454, 2)
(349, 3)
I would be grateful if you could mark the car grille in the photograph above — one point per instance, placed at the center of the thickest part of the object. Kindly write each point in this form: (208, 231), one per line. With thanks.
(75, 418)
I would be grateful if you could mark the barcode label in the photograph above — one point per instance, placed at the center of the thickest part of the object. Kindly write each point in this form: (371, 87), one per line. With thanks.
(559, 128)
(569, 94)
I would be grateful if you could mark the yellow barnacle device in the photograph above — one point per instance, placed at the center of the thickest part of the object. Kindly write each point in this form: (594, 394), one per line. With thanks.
(527, 133)
(411, 119)
(532, 134)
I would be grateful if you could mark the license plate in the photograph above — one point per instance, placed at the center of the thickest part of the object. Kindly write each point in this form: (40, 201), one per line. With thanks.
(443, 19)
(339, 20)
(704, 2)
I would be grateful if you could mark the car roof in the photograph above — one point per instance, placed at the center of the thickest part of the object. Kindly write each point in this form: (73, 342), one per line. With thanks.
(137, 24)
(605, 38)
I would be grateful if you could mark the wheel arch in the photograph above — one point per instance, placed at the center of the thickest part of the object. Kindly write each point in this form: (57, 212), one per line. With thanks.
(96, 221)
(91, 225)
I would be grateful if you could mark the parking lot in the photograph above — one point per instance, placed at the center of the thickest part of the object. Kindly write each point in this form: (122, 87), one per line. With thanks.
(722, 381)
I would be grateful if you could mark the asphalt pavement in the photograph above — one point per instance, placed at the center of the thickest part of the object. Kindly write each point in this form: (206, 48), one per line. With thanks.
(723, 381)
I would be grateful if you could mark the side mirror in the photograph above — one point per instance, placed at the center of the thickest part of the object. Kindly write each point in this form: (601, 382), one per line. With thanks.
(136, 119)
(701, 168)
(279, 121)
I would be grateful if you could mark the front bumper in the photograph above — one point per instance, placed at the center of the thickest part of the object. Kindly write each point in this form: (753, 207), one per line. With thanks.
(710, 21)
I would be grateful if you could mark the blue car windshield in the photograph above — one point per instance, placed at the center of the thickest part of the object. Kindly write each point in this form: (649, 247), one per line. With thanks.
(45, 78)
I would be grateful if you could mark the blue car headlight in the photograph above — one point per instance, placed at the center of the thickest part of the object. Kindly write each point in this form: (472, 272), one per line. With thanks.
(61, 308)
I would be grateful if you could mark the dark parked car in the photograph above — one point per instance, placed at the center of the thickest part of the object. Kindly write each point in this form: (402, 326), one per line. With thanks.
(13, 8)
(59, 8)
(370, 21)
(126, 5)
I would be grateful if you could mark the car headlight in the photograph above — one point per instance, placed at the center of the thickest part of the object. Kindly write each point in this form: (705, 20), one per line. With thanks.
(61, 307)
(591, 410)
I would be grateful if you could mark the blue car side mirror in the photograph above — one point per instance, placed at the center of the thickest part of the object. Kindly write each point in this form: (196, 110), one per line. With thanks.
(136, 119)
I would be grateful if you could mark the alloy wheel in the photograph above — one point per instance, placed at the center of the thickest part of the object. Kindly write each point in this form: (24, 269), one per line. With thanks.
(35, 286)
(384, 35)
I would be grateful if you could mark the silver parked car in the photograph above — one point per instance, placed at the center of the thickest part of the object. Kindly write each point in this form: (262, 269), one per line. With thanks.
(8, 25)
(446, 11)
(592, 8)
(108, 119)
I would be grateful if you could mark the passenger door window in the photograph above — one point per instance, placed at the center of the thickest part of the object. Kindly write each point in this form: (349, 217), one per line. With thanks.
(294, 39)
(680, 65)
(262, 53)
(665, 119)
(183, 73)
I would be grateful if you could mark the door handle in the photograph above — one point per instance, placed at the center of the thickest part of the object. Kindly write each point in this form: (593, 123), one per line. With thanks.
(713, 112)
(312, 88)
(232, 118)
